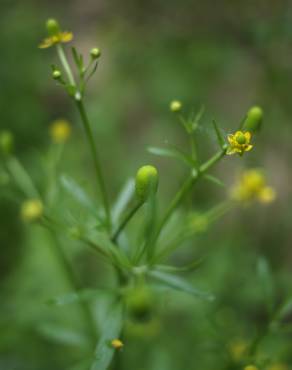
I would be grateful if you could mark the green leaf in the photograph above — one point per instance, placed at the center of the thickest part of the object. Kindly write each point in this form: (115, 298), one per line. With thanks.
(219, 135)
(172, 152)
(75, 297)
(103, 244)
(123, 199)
(190, 267)
(111, 330)
(214, 179)
(63, 335)
(178, 283)
(77, 192)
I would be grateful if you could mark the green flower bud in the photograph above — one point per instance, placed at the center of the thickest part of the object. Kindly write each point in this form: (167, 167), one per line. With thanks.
(95, 53)
(32, 210)
(139, 301)
(6, 142)
(56, 74)
(175, 106)
(53, 27)
(146, 182)
(254, 119)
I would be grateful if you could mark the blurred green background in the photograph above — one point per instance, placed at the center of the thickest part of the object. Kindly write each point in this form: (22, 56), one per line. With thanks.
(227, 55)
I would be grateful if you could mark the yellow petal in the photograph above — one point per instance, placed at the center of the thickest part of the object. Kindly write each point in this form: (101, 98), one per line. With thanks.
(231, 150)
(248, 148)
(66, 36)
(46, 43)
(230, 138)
(247, 135)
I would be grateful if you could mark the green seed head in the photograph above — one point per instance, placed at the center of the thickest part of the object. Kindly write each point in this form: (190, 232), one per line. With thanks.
(241, 139)
(95, 53)
(56, 74)
(146, 182)
(6, 142)
(175, 106)
(254, 119)
(53, 27)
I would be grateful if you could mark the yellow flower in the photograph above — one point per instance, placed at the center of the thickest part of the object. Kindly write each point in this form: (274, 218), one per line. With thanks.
(238, 349)
(239, 142)
(251, 367)
(252, 186)
(117, 344)
(60, 130)
(32, 210)
(56, 35)
(60, 37)
(278, 366)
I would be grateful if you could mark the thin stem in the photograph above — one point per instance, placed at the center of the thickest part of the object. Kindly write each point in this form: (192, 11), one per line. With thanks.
(186, 186)
(65, 64)
(125, 221)
(96, 160)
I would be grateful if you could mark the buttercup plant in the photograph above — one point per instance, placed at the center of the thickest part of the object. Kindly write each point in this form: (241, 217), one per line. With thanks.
(138, 268)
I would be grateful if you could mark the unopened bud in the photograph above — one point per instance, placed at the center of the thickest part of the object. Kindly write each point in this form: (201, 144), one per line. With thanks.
(146, 182)
(56, 74)
(95, 53)
(53, 27)
(175, 106)
(32, 210)
(253, 119)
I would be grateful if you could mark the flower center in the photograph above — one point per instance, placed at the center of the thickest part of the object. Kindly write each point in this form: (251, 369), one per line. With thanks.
(240, 138)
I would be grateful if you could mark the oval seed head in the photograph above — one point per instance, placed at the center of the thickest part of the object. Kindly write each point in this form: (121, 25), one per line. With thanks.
(175, 106)
(53, 27)
(254, 119)
(146, 182)
(95, 53)
(32, 210)
(56, 74)
(6, 142)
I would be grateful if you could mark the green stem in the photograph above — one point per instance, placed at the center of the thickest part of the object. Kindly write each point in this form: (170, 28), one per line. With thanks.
(65, 64)
(125, 221)
(186, 186)
(96, 160)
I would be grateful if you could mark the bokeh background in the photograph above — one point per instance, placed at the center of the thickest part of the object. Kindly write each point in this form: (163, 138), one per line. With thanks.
(227, 55)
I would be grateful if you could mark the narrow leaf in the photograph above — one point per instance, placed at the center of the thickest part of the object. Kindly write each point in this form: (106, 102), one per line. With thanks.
(178, 283)
(123, 199)
(190, 267)
(63, 335)
(172, 152)
(215, 180)
(111, 330)
(220, 137)
(75, 297)
(78, 193)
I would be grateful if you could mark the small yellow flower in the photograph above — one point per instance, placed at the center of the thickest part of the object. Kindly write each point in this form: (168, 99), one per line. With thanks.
(61, 37)
(251, 367)
(238, 349)
(60, 130)
(32, 210)
(239, 142)
(278, 366)
(117, 344)
(56, 35)
(250, 186)
(175, 106)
